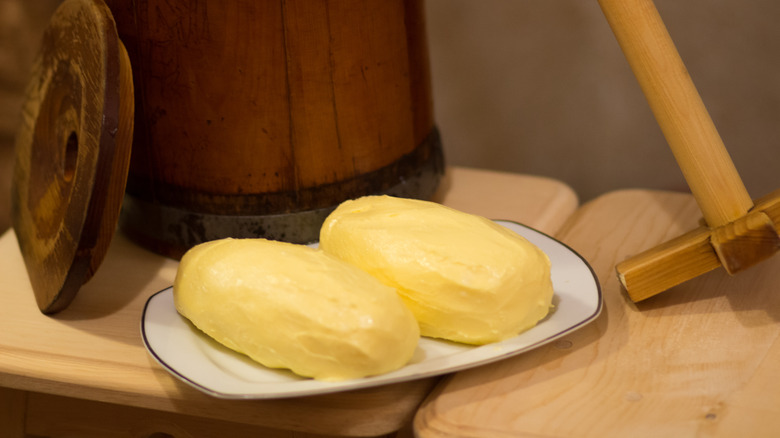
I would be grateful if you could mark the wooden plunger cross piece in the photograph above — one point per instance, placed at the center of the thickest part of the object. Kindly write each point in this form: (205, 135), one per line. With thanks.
(737, 233)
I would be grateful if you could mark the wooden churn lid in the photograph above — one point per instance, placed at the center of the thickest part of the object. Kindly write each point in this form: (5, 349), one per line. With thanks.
(72, 151)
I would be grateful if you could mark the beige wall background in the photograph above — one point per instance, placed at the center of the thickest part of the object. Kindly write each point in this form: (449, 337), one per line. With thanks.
(541, 87)
(21, 25)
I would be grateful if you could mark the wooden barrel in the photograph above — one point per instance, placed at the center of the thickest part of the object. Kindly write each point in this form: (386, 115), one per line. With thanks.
(255, 118)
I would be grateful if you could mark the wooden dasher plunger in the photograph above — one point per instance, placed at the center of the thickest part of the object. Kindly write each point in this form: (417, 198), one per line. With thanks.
(737, 232)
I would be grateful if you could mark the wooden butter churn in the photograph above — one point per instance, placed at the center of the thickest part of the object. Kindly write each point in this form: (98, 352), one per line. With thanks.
(256, 118)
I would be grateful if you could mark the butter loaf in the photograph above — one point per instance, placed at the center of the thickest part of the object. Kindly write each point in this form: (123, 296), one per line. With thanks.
(465, 278)
(291, 306)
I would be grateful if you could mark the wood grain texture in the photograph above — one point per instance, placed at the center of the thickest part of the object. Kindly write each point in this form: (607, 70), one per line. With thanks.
(679, 110)
(72, 152)
(673, 262)
(93, 349)
(116, 174)
(739, 237)
(746, 241)
(701, 361)
(245, 106)
(735, 246)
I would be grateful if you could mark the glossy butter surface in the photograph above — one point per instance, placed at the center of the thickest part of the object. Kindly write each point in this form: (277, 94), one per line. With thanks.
(464, 277)
(290, 306)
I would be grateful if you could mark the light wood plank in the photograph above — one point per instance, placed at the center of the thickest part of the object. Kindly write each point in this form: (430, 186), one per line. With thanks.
(93, 349)
(699, 360)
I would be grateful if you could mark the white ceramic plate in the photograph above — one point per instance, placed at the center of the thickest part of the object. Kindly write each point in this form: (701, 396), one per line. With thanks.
(203, 363)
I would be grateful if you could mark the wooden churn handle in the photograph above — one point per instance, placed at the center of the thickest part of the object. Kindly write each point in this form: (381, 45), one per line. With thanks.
(737, 233)
(679, 110)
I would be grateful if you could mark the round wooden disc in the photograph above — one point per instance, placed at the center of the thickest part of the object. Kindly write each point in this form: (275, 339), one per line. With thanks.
(72, 151)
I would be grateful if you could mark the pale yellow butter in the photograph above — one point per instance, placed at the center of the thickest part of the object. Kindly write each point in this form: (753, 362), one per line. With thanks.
(290, 306)
(464, 277)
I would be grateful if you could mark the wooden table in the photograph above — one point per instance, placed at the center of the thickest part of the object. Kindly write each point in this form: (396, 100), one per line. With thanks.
(84, 372)
(700, 360)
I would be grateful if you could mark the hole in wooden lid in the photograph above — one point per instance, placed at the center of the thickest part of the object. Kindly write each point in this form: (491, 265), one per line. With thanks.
(71, 155)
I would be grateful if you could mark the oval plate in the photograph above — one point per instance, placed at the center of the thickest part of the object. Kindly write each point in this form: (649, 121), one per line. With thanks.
(198, 360)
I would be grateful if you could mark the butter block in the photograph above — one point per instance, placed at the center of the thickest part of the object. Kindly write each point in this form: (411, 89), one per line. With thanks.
(465, 278)
(291, 306)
